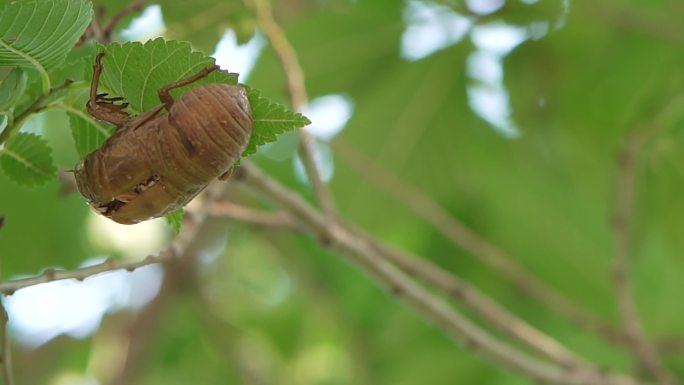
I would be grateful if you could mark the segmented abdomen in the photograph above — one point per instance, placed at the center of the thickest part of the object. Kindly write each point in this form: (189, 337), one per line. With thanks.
(202, 136)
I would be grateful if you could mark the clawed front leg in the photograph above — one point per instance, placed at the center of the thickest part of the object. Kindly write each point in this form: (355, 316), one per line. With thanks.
(102, 107)
(109, 110)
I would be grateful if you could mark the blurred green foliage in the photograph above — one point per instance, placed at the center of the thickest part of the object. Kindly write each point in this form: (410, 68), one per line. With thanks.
(274, 308)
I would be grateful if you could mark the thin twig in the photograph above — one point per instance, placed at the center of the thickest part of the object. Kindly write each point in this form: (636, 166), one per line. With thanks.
(284, 50)
(252, 216)
(297, 89)
(107, 31)
(5, 352)
(462, 236)
(30, 110)
(104, 35)
(307, 154)
(643, 350)
(50, 275)
(402, 287)
(193, 218)
(94, 31)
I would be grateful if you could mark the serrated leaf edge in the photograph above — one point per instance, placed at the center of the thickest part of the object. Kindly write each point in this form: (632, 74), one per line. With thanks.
(297, 120)
(173, 222)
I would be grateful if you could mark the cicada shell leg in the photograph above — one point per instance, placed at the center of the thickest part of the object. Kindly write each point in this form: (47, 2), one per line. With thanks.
(165, 96)
(100, 106)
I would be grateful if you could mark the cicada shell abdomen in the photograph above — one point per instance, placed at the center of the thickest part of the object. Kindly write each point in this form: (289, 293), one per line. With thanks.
(203, 135)
(152, 167)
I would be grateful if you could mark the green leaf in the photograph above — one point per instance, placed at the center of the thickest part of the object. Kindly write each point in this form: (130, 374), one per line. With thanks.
(26, 159)
(270, 120)
(39, 34)
(175, 219)
(32, 91)
(11, 88)
(77, 66)
(88, 133)
(137, 71)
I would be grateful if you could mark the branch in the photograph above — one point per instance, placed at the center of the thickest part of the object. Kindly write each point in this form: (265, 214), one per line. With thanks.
(401, 286)
(462, 236)
(482, 305)
(193, 218)
(5, 350)
(285, 52)
(431, 274)
(642, 349)
(297, 89)
(445, 281)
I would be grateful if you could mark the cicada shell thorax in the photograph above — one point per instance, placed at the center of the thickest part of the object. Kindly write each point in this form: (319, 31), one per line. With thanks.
(115, 168)
(149, 169)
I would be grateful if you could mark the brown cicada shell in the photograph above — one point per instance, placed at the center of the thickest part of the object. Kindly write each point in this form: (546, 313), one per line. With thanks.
(158, 161)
